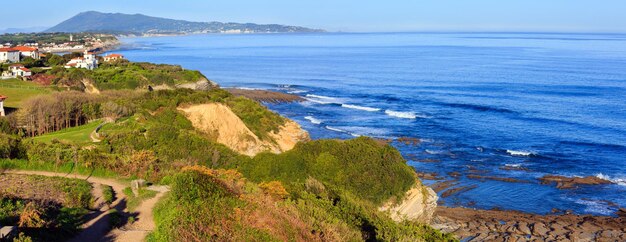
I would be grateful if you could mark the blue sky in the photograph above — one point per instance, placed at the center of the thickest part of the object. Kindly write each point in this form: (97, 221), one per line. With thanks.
(356, 15)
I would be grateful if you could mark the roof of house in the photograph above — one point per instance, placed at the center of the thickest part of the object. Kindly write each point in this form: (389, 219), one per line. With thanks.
(71, 64)
(8, 50)
(114, 55)
(24, 48)
(25, 69)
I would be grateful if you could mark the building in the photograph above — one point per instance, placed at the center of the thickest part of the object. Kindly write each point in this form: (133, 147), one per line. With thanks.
(113, 57)
(2, 98)
(17, 70)
(9, 55)
(88, 61)
(26, 51)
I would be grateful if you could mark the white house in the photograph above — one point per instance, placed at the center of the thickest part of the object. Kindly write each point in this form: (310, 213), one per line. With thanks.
(113, 57)
(88, 61)
(17, 70)
(9, 55)
(2, 98)
(26, 51)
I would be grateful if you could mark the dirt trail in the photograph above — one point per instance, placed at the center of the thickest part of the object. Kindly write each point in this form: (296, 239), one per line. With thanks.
(97, 228)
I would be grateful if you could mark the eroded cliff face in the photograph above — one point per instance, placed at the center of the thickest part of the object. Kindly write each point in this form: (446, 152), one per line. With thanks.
(419, 204)
(219, 121)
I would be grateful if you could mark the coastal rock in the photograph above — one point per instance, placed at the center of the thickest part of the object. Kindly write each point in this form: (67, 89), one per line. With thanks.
(218, 120)
(523, 228)
(419, 205)
(539, 229)
(563, 182)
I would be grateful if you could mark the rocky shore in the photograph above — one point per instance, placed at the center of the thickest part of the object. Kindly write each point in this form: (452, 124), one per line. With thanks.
(265, 96)
(493, 225)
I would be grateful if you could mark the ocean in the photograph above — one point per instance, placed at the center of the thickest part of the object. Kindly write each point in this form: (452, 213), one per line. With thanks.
(496, 105)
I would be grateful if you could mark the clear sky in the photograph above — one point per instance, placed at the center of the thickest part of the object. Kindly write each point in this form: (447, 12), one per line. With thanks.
(351, 15)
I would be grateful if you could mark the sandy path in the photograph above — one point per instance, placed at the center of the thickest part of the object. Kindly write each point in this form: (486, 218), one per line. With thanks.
(97, 228)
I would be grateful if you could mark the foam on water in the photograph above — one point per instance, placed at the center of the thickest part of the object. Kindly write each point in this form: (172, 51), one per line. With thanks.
(618, 181)
(360, 107)
(519, 153)
(397, 114)
(313, 120)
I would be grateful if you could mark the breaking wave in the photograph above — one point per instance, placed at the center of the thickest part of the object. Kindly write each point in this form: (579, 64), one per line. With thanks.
(313, 120)
(408, 115)
(519, 153)
(360, 108)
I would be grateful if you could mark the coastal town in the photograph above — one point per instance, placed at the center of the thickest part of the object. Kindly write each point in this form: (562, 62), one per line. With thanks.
(29, 62)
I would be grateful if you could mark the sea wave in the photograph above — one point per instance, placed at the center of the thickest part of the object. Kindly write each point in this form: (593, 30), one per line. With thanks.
(618, 181)
(519, 153)
(596, 207)
(322, 97)
(336, 129)
(313, 120)
(317, 101)
(397, 114)
(434, 152)
(517, 165)
(360, 107)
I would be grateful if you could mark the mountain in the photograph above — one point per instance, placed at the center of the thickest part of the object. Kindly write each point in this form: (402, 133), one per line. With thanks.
(119, 23)
(22, 30)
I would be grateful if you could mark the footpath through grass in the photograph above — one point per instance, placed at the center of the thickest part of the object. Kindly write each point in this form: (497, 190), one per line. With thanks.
(79, 134)
(18, 91)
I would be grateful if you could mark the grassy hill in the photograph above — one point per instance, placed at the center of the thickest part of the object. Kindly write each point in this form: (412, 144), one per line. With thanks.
(326, 190)
(93, 21)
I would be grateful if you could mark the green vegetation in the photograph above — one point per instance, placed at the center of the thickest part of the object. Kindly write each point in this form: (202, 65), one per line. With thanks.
(319, 190)
(18, 91)
(363, 167)
(108, 194)
(79, 134)
(124, 75)
(52, 208)
(221, 204)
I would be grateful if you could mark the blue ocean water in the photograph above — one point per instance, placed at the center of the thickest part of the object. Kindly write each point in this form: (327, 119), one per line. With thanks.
(516, 105)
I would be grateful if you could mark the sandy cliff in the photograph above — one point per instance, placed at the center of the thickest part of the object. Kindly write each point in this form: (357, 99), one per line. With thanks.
(419, 204)
(219, 121)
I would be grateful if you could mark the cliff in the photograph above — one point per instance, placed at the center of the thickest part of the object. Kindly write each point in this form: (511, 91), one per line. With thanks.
(227, 128)
(418, 205)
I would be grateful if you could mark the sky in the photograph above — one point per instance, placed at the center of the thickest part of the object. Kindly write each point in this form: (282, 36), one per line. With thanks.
(355, 15)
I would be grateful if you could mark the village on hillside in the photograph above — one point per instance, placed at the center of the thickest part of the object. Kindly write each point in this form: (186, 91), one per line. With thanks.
(26, 58)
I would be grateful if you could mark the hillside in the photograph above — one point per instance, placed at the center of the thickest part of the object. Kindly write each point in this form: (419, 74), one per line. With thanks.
(119, 23)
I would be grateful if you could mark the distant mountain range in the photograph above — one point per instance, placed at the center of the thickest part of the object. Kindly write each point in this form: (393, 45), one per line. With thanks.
(139, 24)
(22, 30)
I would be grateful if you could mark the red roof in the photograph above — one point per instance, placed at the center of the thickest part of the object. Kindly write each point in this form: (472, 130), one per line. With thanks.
(25, 69)
(114, 55)
(8, 50)
(3, 97)
(71, 64)
(24, 48)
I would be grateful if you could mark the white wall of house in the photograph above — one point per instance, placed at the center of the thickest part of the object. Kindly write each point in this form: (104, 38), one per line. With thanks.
(9, 56)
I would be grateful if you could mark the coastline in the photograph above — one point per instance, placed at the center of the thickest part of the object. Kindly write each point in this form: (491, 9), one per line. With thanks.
(457, 219)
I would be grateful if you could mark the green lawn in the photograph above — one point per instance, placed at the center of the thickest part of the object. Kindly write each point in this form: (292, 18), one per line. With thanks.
(17, 91)
(79, 134)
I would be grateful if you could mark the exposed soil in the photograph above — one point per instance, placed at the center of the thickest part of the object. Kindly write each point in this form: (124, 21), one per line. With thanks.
(443, 185)
(492, 225)
(563, 182)
(218, 120)
(31, 188)
(265, 96)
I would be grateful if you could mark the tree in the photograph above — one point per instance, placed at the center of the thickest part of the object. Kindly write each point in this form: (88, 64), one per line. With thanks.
(55, 60)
